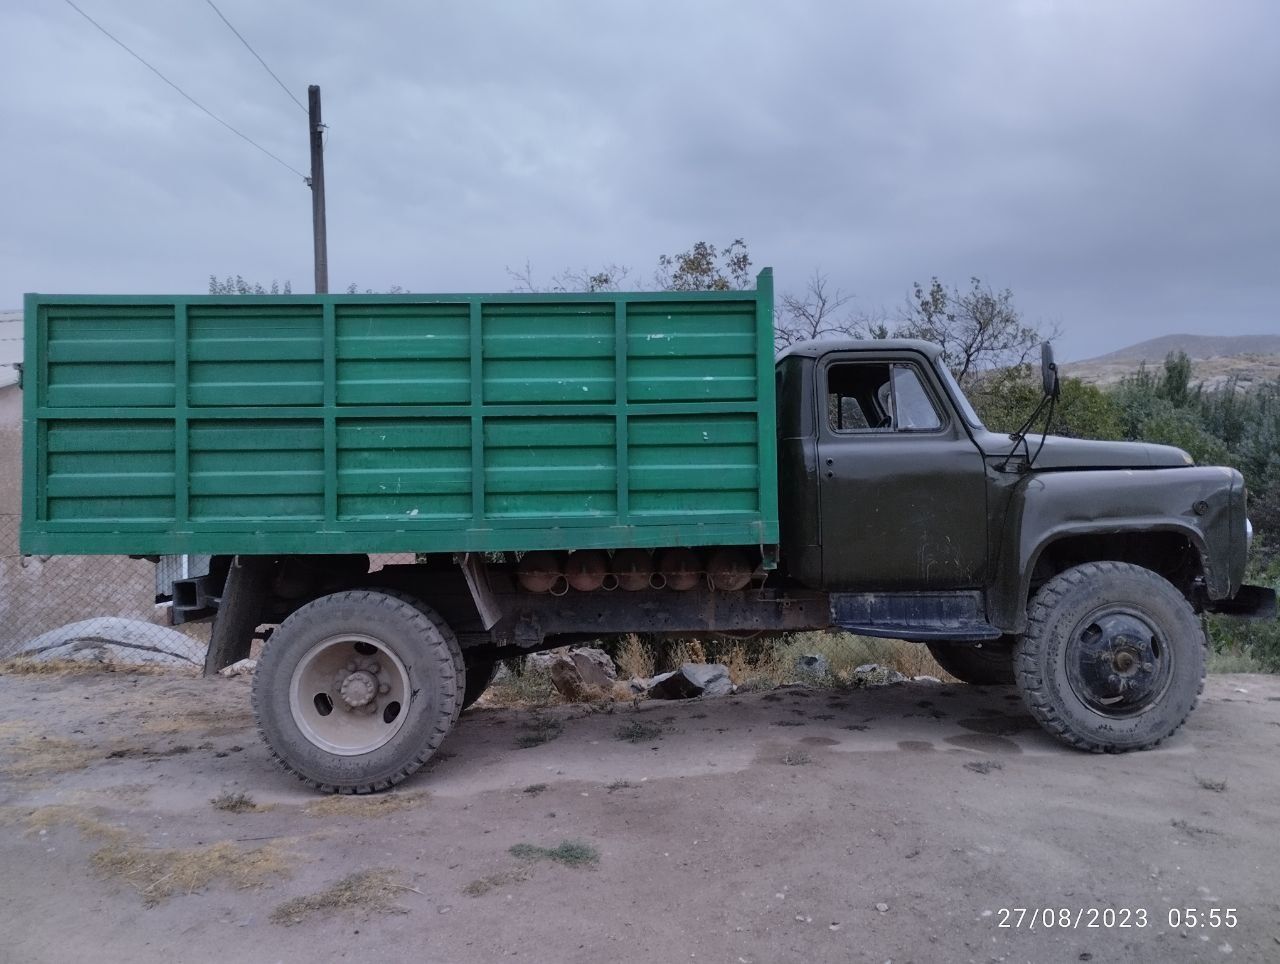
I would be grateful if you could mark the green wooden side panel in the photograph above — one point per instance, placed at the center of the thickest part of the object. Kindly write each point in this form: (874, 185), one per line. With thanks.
(395, 423)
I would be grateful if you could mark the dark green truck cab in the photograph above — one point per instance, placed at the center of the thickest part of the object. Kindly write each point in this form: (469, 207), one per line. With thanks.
(572, 467)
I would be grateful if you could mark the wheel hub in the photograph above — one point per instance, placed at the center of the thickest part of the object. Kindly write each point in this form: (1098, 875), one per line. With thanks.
(348, 694)
(1117, 663)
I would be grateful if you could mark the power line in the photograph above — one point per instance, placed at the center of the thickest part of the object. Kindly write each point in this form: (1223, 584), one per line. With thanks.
(224, 19)
(195, 102)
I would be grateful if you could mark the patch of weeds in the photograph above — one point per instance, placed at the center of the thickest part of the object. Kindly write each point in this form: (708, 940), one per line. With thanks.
(796, 758)
(534, 789)
(482, 885)
(788, 723)
(342, 805)
(855, 726)
(771, 698)
(824, 716)
(1217, 786)
(622, 785)
(523, 687)
(637, 732)
(159, 874)
(369, 890)
(234, 803)
(697, 716)
(984, 766)
(571, 853)
(539, 730)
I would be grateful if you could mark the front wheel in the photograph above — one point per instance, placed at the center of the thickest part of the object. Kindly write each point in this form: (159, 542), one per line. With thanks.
(355, 690)
(1113, 658)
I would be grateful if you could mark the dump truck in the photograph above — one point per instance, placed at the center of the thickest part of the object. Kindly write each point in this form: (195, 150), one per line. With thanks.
(556, 468)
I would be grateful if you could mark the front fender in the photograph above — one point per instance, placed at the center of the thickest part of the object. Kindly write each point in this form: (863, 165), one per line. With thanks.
(1198, 503)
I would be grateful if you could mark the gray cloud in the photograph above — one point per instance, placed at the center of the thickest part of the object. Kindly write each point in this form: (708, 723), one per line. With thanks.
(1112, 163)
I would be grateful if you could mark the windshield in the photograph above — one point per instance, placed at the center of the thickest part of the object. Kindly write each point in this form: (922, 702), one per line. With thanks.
(962, 403)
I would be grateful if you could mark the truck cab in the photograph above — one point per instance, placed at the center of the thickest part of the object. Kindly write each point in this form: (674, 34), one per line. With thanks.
(890, 484)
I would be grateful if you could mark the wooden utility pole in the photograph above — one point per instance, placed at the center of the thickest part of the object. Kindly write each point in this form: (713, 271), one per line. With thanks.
(316, 182)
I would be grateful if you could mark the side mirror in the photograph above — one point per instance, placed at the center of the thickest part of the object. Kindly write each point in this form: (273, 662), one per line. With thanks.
(1048, 371)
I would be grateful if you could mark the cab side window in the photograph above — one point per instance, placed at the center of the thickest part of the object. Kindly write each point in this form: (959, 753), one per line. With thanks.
(879, 397)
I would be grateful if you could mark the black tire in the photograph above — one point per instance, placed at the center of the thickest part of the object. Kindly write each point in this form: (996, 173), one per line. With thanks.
(479, 676)
(988, 664)
(369, 629)
(1113, 659)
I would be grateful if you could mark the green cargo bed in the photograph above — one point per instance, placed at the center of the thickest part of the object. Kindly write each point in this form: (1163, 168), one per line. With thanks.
(398, 423)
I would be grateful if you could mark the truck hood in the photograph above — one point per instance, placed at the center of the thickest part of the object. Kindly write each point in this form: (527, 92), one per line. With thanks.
(1075, 453)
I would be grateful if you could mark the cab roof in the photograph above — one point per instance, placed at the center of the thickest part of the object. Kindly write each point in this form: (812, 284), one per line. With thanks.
(821, 346)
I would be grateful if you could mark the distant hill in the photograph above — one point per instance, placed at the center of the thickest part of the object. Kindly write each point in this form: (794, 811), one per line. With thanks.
(1215, 359)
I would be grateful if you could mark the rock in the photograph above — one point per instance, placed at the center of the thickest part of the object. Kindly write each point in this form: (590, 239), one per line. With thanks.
(637, 686)
(109, 639)
(568, 680)
(873, 674)
(541, 662)
(594, 666)
(813, 665)
(692, 679)
(882, 907)
(926, 679)
(241, 667)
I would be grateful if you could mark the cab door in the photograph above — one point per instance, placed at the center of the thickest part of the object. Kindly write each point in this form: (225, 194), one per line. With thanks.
(902, 486)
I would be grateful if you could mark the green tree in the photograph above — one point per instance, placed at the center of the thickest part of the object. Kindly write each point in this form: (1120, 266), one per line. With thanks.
(978, 328)
(705, 268)
(238, 286)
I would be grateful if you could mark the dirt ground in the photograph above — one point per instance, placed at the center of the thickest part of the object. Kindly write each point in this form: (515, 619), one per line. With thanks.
(799, 825)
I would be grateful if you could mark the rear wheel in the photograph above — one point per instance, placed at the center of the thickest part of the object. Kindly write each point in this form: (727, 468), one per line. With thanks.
(985, 664)
(356, 690)
(1113, 658)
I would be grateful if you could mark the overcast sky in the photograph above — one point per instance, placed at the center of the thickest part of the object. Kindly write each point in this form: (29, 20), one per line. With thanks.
(1117, 164)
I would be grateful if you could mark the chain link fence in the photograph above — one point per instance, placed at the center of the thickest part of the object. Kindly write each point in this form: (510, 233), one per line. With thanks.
(98, 607)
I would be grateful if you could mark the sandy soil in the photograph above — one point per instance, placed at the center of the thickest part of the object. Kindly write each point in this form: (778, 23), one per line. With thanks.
(801, 825)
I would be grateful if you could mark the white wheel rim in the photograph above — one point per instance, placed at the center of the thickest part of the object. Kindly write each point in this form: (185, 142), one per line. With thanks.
(348, 694)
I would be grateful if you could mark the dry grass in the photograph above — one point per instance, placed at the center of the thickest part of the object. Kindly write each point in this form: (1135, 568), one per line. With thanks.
(637, 732)
(34, 756)
(44, 819)
(25, 666)
(522, 688)
(370, 891)
(160, 874)
(342, 805)
(482, 885)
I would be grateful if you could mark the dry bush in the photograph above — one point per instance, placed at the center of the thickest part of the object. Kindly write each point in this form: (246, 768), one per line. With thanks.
(634, 659)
